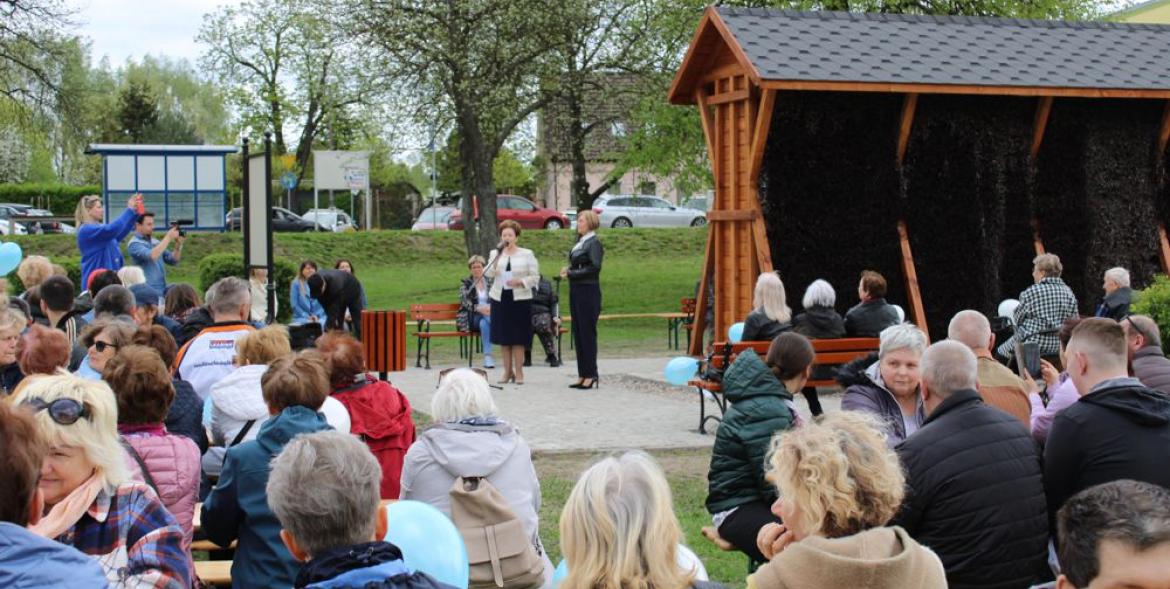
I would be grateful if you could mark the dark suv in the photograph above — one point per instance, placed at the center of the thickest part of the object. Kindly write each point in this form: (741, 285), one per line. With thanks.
(282, 220)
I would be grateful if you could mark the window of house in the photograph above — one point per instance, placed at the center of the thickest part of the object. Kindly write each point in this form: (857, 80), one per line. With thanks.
(650, 188)
(617, 129)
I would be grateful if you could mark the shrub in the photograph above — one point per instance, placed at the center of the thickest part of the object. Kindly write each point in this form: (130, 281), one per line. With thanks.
(216, 266)
(61, 199)
(1154, 301)
(72, 269)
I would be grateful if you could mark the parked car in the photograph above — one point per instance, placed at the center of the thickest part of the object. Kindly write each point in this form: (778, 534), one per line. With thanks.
(8, 210)
(338, 219)
(700, 203)
(521, 210)
(11, 228)
(645, 211)
(282, 220)
(571, 215)
(433, 218)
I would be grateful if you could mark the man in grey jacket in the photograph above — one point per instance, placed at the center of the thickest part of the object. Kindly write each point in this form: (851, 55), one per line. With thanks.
(1144, 341)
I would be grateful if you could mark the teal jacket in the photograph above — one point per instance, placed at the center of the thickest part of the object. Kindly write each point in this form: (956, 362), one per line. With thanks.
(758, 410)
(237, 507)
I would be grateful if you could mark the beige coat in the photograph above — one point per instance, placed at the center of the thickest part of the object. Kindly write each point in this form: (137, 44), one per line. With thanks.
(881, 558)
(524, 267)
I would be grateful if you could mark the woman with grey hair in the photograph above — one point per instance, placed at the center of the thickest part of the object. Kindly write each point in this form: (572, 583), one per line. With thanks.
(468, 439)
(820, 320)
(890, 386)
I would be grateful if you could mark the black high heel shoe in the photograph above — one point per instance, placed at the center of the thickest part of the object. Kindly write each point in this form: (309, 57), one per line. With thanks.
(594, 383)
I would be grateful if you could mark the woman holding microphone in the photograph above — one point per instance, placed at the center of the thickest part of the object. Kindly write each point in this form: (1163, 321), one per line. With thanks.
(583, 272)
(514, 272)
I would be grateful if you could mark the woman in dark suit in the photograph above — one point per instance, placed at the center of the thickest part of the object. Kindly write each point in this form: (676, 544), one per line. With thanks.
(583, 272)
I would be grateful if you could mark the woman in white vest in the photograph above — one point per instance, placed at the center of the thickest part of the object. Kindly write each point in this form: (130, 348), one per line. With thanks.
(515, 272)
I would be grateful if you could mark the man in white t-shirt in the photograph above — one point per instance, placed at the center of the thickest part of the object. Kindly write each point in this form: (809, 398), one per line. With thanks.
(207, 357)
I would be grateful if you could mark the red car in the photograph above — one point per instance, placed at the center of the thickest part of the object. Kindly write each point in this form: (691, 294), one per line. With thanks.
(519, 209)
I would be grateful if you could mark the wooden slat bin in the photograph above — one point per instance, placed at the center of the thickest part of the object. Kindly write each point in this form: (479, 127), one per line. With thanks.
(384, 340)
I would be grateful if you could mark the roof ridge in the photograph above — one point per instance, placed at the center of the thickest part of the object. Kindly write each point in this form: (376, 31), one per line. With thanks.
(934, 19)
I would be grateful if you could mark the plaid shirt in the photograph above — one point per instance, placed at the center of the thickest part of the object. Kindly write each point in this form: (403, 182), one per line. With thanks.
(134, 538)
(1044, 307)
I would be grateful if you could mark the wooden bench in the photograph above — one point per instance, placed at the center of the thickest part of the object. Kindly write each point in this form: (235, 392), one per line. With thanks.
(829, 352)
(214, 572)
(684, 319)
(427, 315)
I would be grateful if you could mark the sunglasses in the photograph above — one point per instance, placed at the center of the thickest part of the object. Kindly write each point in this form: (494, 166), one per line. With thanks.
(62, 411)
(480, 371)
(101, 346)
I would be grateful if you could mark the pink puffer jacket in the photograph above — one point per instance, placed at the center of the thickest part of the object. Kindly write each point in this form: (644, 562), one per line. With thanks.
(173, 462)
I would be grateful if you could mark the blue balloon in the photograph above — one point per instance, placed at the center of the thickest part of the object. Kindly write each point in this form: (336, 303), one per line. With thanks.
(735, 332)
(10, 257)
(560, 573)
(679, 370)
(429, 541)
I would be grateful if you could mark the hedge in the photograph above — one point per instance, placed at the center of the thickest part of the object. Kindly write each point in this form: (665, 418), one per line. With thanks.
(62, 198)
(216, 266)
(1154, 301)
(72, 268)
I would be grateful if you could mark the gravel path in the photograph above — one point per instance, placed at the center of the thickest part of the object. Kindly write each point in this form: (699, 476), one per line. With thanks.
(633, 408)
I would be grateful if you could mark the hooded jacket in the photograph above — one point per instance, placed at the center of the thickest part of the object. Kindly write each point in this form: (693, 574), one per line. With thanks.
(879, 558)
(1120, 430)
(373, 565)
(30, 561)
(486, 447)
(975, 495)
(759, 408)
(865, 391)
(237, 507)
(380, 415)
(1152, 367)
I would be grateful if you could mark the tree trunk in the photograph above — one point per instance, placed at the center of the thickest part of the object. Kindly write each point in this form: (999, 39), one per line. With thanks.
(579, 186)
(480, 234)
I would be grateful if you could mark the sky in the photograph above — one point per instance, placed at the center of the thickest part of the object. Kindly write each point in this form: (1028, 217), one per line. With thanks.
(121, 29)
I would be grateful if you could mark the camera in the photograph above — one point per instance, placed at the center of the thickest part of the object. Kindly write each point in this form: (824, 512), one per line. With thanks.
(179, 224)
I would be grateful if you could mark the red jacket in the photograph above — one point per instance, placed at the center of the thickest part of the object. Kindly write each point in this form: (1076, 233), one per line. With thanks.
(380, 415)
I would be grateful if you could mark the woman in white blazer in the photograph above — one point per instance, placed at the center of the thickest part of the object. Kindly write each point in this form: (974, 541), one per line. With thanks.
(514, 272)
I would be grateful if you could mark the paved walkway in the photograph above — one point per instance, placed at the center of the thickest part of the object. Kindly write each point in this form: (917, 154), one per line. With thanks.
(633, 408)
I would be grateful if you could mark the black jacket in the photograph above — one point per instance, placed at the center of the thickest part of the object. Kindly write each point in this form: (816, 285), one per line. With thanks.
(544, 298)
(1115, 305)
(1152, 367)
(384, 556)
(1116, 432)
(342, 292)
(819, 323)
(185, 417)
(759, 328)
(869, 318)
(585, 262)
(196, 320)
(976, 495)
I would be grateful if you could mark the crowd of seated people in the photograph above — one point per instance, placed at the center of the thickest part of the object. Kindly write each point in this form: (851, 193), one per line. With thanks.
(944, 467)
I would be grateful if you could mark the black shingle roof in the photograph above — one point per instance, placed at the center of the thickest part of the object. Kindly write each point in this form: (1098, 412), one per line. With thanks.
(980, 51)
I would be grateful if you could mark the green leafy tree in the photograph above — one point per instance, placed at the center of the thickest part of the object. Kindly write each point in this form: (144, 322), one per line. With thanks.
(137, 111)
(479, 64)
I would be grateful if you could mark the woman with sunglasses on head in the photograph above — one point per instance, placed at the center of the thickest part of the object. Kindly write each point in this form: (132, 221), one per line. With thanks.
(99, 241)
(102, 339)
(91, 503)
(468, 439)
(167, 462)
(379, 413)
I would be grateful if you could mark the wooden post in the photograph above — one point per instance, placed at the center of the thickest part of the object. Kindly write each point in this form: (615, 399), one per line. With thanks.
(1039, 124)
(909, 104)
(1164, 250)
(700, 324)
(1164, 131)
(911, 276)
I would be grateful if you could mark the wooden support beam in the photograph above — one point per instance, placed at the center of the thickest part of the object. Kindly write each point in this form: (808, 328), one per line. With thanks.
(700, 325)
(760, 134)
(911, 275)
(1037, 242)
(909, 104)
(1164, 132)
(763, 249)
(733, 96)
(735, 215)
(1040, 123)
(708, 125)
(1164, 249)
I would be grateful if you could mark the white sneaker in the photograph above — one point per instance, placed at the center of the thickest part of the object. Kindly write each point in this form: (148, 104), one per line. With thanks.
(488, 362)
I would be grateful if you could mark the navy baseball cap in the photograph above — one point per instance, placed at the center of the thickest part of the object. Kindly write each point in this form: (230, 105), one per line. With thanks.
(144, 294)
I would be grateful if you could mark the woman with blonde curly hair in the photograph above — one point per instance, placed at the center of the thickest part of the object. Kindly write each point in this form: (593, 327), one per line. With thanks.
(90, 502)
(839, 486)
(619, 531)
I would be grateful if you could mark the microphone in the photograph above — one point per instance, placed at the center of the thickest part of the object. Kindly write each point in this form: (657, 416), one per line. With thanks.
(501, 246)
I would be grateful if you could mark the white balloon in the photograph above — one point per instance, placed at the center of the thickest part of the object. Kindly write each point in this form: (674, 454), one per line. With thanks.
(1007, 309)
(901, 313)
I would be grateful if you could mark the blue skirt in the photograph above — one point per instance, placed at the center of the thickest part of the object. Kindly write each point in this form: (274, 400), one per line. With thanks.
(511, 321)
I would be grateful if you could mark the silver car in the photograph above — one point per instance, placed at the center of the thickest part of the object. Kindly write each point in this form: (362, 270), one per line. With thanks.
(645, 211)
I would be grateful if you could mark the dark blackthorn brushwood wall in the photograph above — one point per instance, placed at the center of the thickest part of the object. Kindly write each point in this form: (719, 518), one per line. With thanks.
(832, 193)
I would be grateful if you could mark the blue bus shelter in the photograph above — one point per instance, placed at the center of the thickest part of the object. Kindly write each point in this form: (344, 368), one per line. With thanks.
(177, 182)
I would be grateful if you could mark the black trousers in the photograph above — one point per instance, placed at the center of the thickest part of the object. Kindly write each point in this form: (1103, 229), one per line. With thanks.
(814, 402)
(585, 305)
(741, 527)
